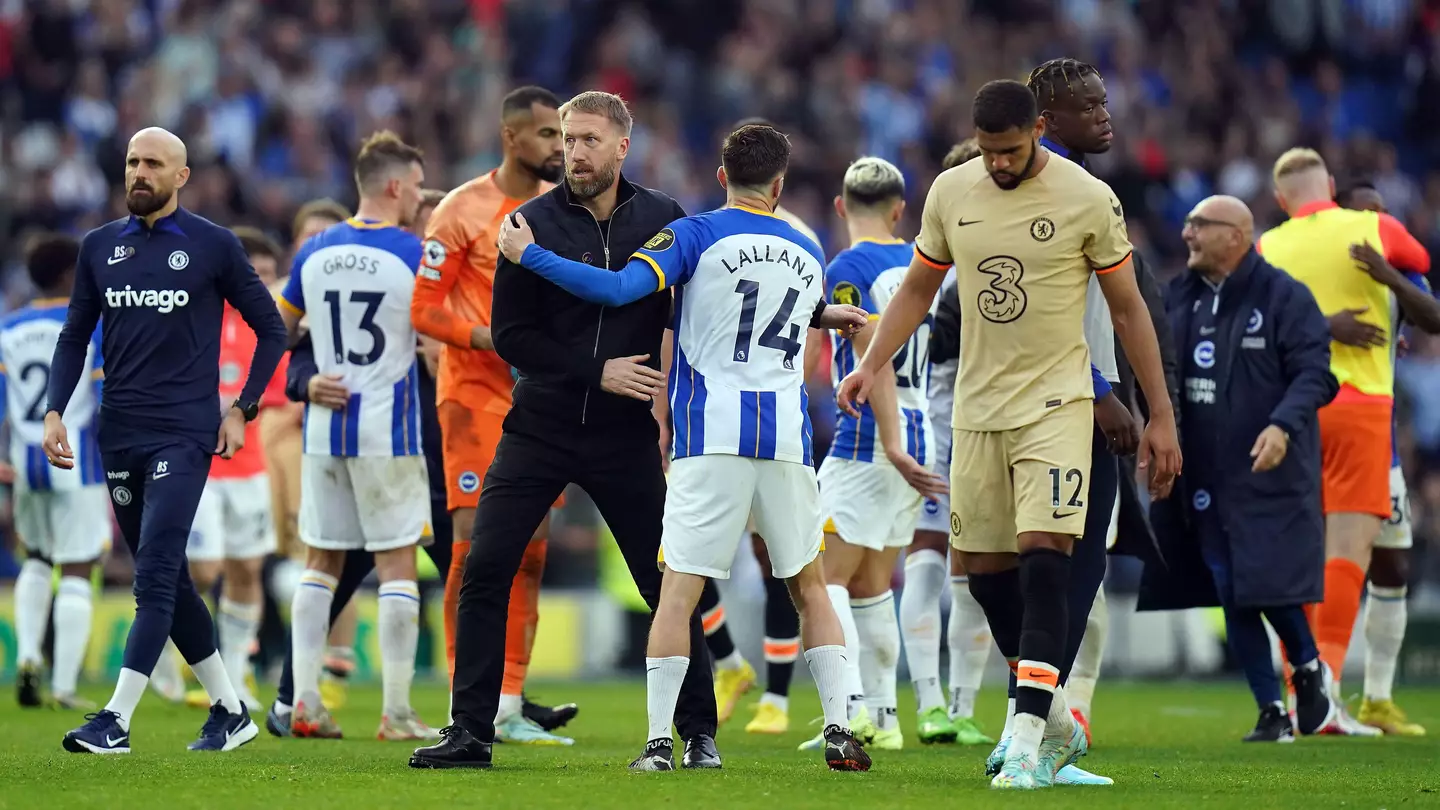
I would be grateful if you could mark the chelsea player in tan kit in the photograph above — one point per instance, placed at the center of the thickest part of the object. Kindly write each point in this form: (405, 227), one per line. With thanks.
(1025, 232)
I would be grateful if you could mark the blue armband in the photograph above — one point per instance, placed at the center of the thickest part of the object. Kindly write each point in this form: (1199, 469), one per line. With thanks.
(1102, 385)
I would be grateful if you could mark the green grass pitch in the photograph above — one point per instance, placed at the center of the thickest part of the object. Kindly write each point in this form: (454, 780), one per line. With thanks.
(1169, 745)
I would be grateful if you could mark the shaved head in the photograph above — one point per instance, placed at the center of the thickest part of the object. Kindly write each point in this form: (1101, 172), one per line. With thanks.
(155, 168)
(1229, 209)
(161, 140)
(1219, 232)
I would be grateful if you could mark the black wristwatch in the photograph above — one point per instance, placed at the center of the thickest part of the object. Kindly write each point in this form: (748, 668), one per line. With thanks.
(249, 409)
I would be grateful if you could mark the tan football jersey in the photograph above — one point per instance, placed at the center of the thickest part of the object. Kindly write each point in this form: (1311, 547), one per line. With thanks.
(1023, 259)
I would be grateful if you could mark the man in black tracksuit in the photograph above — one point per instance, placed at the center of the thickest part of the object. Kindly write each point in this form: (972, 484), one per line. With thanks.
(581, 415)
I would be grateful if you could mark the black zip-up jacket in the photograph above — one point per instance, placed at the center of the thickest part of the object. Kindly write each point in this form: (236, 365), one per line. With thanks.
(559, 343)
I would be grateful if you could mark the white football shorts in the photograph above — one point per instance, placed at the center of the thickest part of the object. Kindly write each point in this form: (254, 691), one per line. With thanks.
(233, 521)
(63, 526)
(709, 499)
(869, 504)
(375, 503)
(1395, 532)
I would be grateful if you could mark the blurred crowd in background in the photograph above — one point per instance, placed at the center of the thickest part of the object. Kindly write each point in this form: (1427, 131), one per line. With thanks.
(273, 96)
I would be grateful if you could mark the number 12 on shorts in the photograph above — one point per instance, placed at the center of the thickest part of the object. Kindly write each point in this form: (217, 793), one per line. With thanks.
(1070, 476)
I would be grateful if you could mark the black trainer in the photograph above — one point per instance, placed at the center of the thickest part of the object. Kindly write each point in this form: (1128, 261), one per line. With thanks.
(1314, 710)
(659, 755)
(700, 752)
(1273, 726)
(27, 687)
(549, 717)
(457, 748)
(842, 751)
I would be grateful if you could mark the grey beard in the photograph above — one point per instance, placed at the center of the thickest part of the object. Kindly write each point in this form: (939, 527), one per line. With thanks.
(602, 179)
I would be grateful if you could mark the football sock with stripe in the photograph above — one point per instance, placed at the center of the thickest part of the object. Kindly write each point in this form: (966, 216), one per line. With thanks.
(399, 621)
(782, 641)
(309, 626)
(1044, 581)
(717, 635)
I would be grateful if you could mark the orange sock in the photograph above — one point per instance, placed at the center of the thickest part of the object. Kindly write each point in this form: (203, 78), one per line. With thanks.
(459, 552)
(1334, 621)
(523, 617)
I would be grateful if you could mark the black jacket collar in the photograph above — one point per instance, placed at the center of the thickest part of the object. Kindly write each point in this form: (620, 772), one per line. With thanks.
(1234, 285)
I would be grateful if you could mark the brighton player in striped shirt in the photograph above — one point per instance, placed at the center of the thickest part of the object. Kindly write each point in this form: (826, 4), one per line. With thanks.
(734, 676)
(61, 516)
(747, 286)
(874, 480)
(363, 479)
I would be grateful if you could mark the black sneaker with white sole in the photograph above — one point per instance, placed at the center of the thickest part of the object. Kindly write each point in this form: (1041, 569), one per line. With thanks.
(1273, 726)
(659, 755)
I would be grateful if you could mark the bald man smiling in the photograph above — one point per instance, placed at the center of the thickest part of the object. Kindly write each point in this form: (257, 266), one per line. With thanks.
(1244, 528)
(161, 278)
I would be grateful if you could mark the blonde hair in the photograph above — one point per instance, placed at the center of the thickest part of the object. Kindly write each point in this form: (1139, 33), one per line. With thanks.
(1296, 161)
(598, 102)
(872, 181)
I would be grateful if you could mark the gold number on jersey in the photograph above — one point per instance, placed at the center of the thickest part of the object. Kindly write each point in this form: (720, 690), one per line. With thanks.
(1005, 299)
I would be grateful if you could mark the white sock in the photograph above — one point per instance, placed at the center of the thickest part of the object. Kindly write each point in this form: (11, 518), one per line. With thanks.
(1029, 733)
(663, 677)
(510, 705)
(238, 624)
(129, 688)
(782, 702)
(1009, 730)
(1385, 620)
(1080, 686)
(214, 678)
(970, 642)
(399, 620)
(854, 691)
(827, 666)
(879, 655)
(72, 633)
(309, 625)
(32, 610)
(167, 677)
(1060, 722)
(920, 624)
(732, 661)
